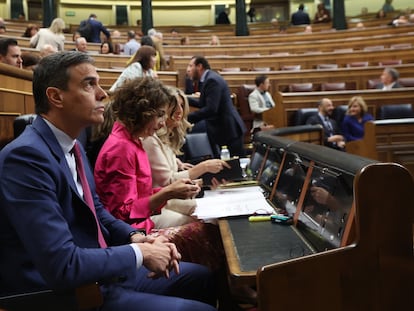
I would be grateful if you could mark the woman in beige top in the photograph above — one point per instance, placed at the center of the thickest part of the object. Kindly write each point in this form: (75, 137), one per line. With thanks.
(52, 35)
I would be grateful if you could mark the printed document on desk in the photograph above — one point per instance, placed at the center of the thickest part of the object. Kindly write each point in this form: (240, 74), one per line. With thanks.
(232, 202)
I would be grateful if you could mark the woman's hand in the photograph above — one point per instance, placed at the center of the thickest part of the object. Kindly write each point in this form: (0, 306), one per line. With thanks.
(182, 189)
(215, 165)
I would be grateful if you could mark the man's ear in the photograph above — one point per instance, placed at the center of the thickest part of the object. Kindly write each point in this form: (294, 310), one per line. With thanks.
(55, 96)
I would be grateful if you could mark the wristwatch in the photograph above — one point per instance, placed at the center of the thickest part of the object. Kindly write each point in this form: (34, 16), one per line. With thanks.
(137, 231)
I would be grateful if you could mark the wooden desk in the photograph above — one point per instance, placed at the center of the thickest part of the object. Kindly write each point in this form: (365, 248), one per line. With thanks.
(250, 245)
(373, 267)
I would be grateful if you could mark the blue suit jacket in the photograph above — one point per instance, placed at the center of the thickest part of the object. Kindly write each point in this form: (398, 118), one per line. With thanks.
(223, 122)
(48, 235)
(97, 27)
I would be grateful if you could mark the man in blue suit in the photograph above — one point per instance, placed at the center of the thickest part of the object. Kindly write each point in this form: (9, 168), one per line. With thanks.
(51, 238)
(96, 28)
(223, 122)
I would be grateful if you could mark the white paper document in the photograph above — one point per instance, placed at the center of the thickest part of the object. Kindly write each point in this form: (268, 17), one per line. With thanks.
(232, 202)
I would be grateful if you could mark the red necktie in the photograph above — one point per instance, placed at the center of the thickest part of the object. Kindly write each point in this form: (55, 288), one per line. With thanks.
(87, 195)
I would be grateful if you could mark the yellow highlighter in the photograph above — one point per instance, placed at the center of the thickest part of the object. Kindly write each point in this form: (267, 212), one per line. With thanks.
(259, 218)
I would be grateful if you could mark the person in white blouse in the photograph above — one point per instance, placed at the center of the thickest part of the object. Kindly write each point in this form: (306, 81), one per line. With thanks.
(139, 66)
(52, 35)
(163, 148)
(260, 100)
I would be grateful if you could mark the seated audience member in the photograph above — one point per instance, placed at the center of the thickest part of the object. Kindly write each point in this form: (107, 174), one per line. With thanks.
(360, 26)
(47, 49)
(80, 243)
(389, 79)
(2, 28)
(75, 36)
(223, 123)
(381, 14)
(115, 34)
(260, 101)
(81, 45)
(30, 31)
(106, 48)
(322, 15)
(132, 45)
(356, 117)
(308, 29)
(10, 52)
(185, 40)
(166, 143)
(332, 134)
(30, 60)
(399, 20)
(214, 40)
(139, 66)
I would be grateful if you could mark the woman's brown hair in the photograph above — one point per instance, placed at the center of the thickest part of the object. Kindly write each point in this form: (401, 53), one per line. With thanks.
(143, 56)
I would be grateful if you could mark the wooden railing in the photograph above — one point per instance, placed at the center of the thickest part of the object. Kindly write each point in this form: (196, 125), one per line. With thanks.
(288, 103)
(387, 141)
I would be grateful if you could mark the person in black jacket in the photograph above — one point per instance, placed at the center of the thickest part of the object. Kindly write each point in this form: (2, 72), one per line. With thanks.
(332, 134)
(300, 17)
(223, 122)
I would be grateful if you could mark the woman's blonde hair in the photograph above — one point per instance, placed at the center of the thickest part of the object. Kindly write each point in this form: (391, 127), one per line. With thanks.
(57, 25)
(360, 101)
(176, 137)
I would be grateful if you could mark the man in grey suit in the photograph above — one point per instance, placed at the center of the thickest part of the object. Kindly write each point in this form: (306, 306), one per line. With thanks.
(53, 235)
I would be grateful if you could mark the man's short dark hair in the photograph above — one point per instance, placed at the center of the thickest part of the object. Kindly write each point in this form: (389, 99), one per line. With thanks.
(301, 6)
(93, 15)
(5, 43)
(201, 60)
(260, 79)
(54, 71)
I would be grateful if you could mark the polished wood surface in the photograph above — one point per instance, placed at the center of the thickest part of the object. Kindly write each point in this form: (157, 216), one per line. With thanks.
(387, 141)
(374, 273)
(288, 103)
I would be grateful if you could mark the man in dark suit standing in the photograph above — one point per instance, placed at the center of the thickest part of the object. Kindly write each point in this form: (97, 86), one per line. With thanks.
(96, 28)
(300, 17)
(332, 134)
(223, 122)
(54, 231)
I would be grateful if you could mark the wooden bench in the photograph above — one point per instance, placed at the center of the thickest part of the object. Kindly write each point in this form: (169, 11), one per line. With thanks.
(299, 46)
(288, 103)
(308, 61)
(356, 78)
(387, 141)
(297, 35)
(370, 266)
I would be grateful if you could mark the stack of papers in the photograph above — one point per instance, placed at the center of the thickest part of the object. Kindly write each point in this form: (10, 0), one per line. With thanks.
(232, 202)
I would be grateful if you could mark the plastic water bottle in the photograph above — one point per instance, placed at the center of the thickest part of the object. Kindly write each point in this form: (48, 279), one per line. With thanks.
(225, 153)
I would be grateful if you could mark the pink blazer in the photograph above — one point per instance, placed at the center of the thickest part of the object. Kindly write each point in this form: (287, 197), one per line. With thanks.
(123, 179)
